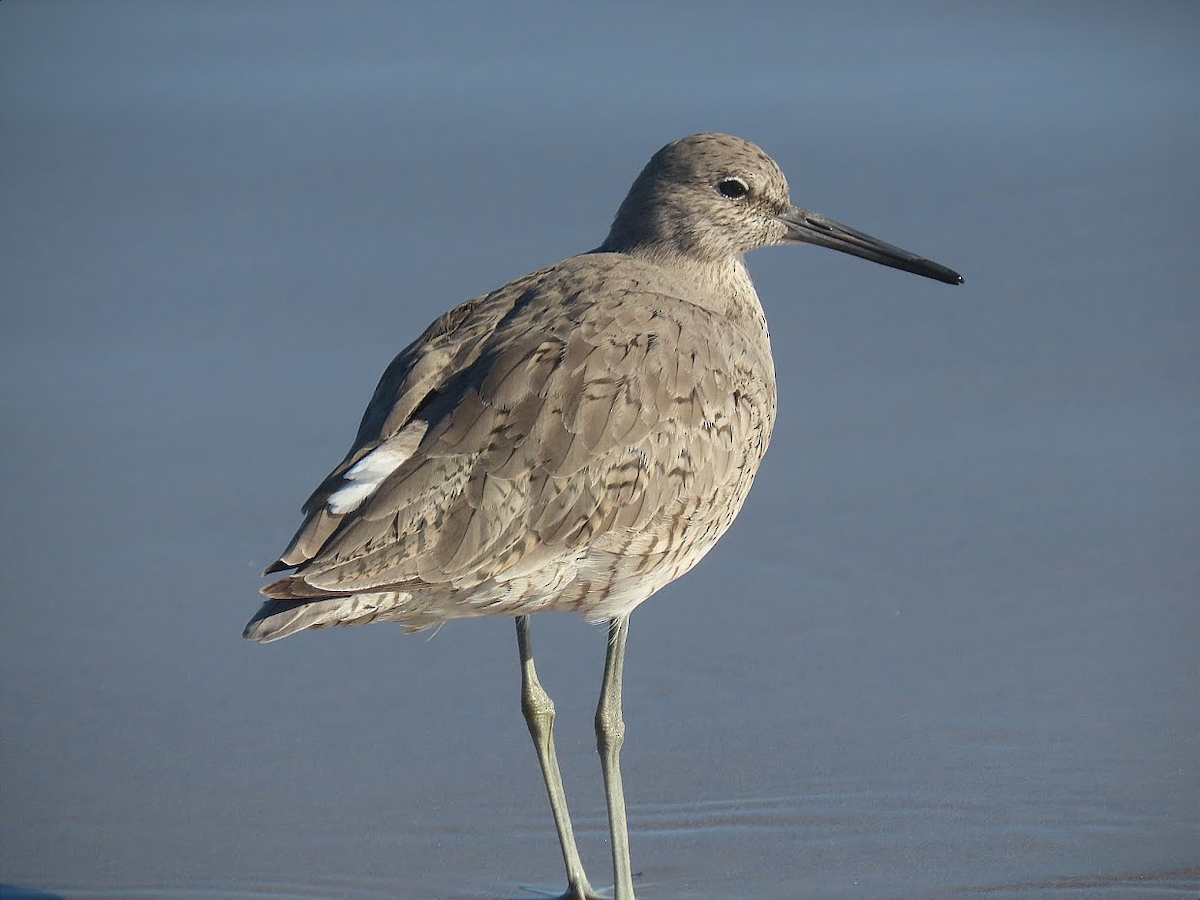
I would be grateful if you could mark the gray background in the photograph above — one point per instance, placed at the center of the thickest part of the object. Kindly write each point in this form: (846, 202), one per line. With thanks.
(947, 651)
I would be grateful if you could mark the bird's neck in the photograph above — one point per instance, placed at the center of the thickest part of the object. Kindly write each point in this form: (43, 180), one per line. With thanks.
(722, 285)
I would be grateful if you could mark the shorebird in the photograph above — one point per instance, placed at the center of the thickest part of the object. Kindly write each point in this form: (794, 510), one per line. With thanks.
(575, 440)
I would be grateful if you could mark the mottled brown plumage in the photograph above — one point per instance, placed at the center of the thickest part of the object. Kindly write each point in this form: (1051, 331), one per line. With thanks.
(582, 436)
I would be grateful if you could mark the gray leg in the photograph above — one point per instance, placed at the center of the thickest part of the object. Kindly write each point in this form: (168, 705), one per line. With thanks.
(539, 716)
(610, 736)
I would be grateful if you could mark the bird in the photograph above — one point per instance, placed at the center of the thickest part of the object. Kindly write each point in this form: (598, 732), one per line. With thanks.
(575, 441)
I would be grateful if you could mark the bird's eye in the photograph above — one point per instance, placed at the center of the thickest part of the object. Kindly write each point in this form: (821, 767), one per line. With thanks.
(733, 188)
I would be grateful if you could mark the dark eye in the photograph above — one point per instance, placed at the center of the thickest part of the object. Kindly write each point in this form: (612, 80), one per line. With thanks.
(733, 188)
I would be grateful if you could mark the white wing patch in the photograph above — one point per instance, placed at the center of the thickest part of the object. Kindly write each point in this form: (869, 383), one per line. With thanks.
(365, 476)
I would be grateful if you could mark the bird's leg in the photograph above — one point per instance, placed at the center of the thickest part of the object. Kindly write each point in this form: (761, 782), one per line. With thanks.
(610, 736)
(539, 716)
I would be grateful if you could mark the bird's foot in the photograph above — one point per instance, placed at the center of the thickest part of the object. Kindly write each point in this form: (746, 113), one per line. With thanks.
(581, 891)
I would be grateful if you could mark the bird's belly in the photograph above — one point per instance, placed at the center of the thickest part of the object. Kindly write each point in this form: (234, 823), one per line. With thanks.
(624, 568)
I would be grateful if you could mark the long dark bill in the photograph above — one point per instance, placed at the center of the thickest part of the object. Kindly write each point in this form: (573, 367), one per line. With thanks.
(811, 228)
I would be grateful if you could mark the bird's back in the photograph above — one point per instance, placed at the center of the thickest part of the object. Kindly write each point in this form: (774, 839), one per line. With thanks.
(573, 441)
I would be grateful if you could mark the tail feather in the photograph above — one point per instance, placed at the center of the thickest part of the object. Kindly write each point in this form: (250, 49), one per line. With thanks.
(280, 618)
(277, 619)
(294, 587)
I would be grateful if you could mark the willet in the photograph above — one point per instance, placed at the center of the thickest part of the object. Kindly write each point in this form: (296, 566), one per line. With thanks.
(575, 440)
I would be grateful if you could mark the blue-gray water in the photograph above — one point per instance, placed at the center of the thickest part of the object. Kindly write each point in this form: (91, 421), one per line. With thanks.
(949, 649)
